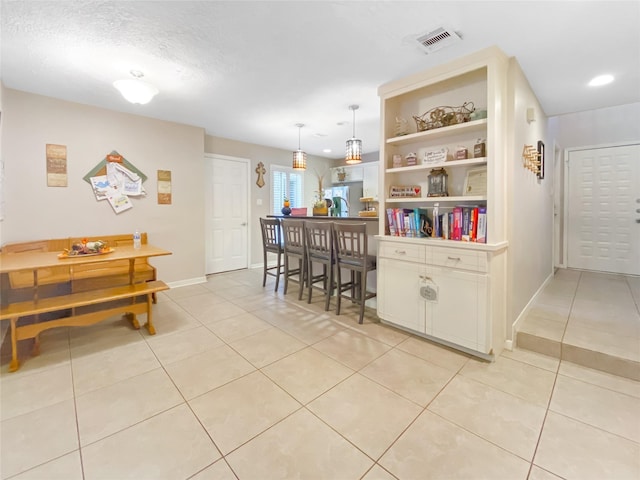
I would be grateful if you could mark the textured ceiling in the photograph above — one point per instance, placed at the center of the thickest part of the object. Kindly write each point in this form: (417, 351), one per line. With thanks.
(252, 70)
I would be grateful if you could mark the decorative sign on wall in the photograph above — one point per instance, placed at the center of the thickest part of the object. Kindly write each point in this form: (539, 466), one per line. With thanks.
(260, 170)
(164, 187)
(115, 179)
(56, 165)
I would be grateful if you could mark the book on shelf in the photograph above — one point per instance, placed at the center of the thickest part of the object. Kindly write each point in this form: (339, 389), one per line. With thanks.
(456, 231)
(473, 224)
(466, 212)
(391, 222)
(482, 225)
(406, 222)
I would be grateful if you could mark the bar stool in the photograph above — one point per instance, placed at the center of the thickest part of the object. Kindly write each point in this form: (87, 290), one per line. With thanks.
(351, 245)
(319, 247)
(271, 243)
(294, 247)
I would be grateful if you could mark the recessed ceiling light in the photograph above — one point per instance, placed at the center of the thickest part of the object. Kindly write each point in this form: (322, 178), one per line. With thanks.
(327, 150)
(319, 135)
(601, 80)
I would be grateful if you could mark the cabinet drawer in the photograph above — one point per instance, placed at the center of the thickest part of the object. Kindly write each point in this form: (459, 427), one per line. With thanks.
(461, 259)
(403, 251)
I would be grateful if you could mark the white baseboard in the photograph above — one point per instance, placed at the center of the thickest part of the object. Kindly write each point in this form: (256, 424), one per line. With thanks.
(189, 281)
(526, 309)
(508, 345)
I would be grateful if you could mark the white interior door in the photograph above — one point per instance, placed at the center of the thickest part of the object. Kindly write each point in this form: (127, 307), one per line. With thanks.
(226, 210)
(603, 227)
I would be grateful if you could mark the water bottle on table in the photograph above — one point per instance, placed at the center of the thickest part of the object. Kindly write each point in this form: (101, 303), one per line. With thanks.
(137, 239)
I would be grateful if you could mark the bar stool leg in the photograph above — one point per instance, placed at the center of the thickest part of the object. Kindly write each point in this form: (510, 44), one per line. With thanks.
(278, 271)
(362, 293)
(329, 289)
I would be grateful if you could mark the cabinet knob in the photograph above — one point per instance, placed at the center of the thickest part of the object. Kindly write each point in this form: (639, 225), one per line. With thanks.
(457, 259)
(424, 277)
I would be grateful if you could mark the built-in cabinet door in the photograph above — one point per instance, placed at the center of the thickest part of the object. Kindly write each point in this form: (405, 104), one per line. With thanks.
(399, 299)
(459, 313)
(370, 180)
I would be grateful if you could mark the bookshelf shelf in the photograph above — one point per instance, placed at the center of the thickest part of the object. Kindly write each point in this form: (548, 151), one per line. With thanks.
(457, 199)
(440, 133)
(450, 163)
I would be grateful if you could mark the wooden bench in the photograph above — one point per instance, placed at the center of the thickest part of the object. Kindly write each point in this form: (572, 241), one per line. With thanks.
(87, 308)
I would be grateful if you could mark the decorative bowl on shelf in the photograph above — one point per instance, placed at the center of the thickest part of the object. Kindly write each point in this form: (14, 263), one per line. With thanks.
(444, 116)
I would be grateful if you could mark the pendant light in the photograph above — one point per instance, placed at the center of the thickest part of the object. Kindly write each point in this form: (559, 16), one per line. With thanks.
(299, 157)
(354, 146)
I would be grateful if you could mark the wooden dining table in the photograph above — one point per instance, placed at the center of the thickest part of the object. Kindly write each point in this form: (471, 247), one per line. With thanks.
(35, 262)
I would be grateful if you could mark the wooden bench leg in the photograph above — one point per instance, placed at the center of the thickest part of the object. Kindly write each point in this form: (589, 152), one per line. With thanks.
(149, 324)
(14, 365)
(134, 320)
(35, 351)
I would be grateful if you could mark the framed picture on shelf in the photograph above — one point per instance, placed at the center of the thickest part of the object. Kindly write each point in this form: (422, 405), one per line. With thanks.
(475, 183)
(541, 159)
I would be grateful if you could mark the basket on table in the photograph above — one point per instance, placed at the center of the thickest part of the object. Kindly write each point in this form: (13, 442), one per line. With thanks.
(444, 117)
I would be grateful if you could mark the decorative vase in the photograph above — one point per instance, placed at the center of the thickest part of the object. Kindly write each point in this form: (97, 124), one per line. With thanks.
(320, 211)
(286, 210)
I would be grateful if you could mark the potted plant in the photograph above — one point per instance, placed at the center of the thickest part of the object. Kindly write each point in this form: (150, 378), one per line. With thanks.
(341, 173)
(320, 207)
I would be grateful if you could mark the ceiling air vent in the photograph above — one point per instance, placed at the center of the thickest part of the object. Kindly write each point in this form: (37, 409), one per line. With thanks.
(438, 38)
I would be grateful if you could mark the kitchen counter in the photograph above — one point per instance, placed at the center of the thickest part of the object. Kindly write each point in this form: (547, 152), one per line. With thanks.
(326, 217)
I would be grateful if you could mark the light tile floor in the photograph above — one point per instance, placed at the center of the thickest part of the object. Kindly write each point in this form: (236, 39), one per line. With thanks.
(588, 318)
(241, 382)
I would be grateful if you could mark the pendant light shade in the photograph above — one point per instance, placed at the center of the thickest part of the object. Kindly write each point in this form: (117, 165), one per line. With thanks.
(354, 145)
(135, 90)
(299, 157)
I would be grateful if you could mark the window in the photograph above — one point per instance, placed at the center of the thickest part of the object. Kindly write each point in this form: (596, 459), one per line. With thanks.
(286, 183)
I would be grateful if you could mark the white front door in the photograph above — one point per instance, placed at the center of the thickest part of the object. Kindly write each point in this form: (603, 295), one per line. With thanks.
(226, 210)
(603, 231)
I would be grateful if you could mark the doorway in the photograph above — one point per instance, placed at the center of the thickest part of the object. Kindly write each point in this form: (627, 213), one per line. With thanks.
(227, 228)
(602, 210)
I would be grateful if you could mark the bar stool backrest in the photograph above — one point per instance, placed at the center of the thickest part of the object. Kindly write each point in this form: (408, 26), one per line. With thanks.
(351, 242)
(319, 237)
(293, 235)
(271, 234)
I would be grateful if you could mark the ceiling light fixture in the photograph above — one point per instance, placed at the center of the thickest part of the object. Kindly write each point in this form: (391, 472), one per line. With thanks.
(601, 80)
(135, 90)
(299, 157)
(354, 146)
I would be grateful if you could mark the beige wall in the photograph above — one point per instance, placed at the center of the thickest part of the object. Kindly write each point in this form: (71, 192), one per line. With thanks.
(603, 126)
(35, 211)
(529, 200)
(268, 156)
